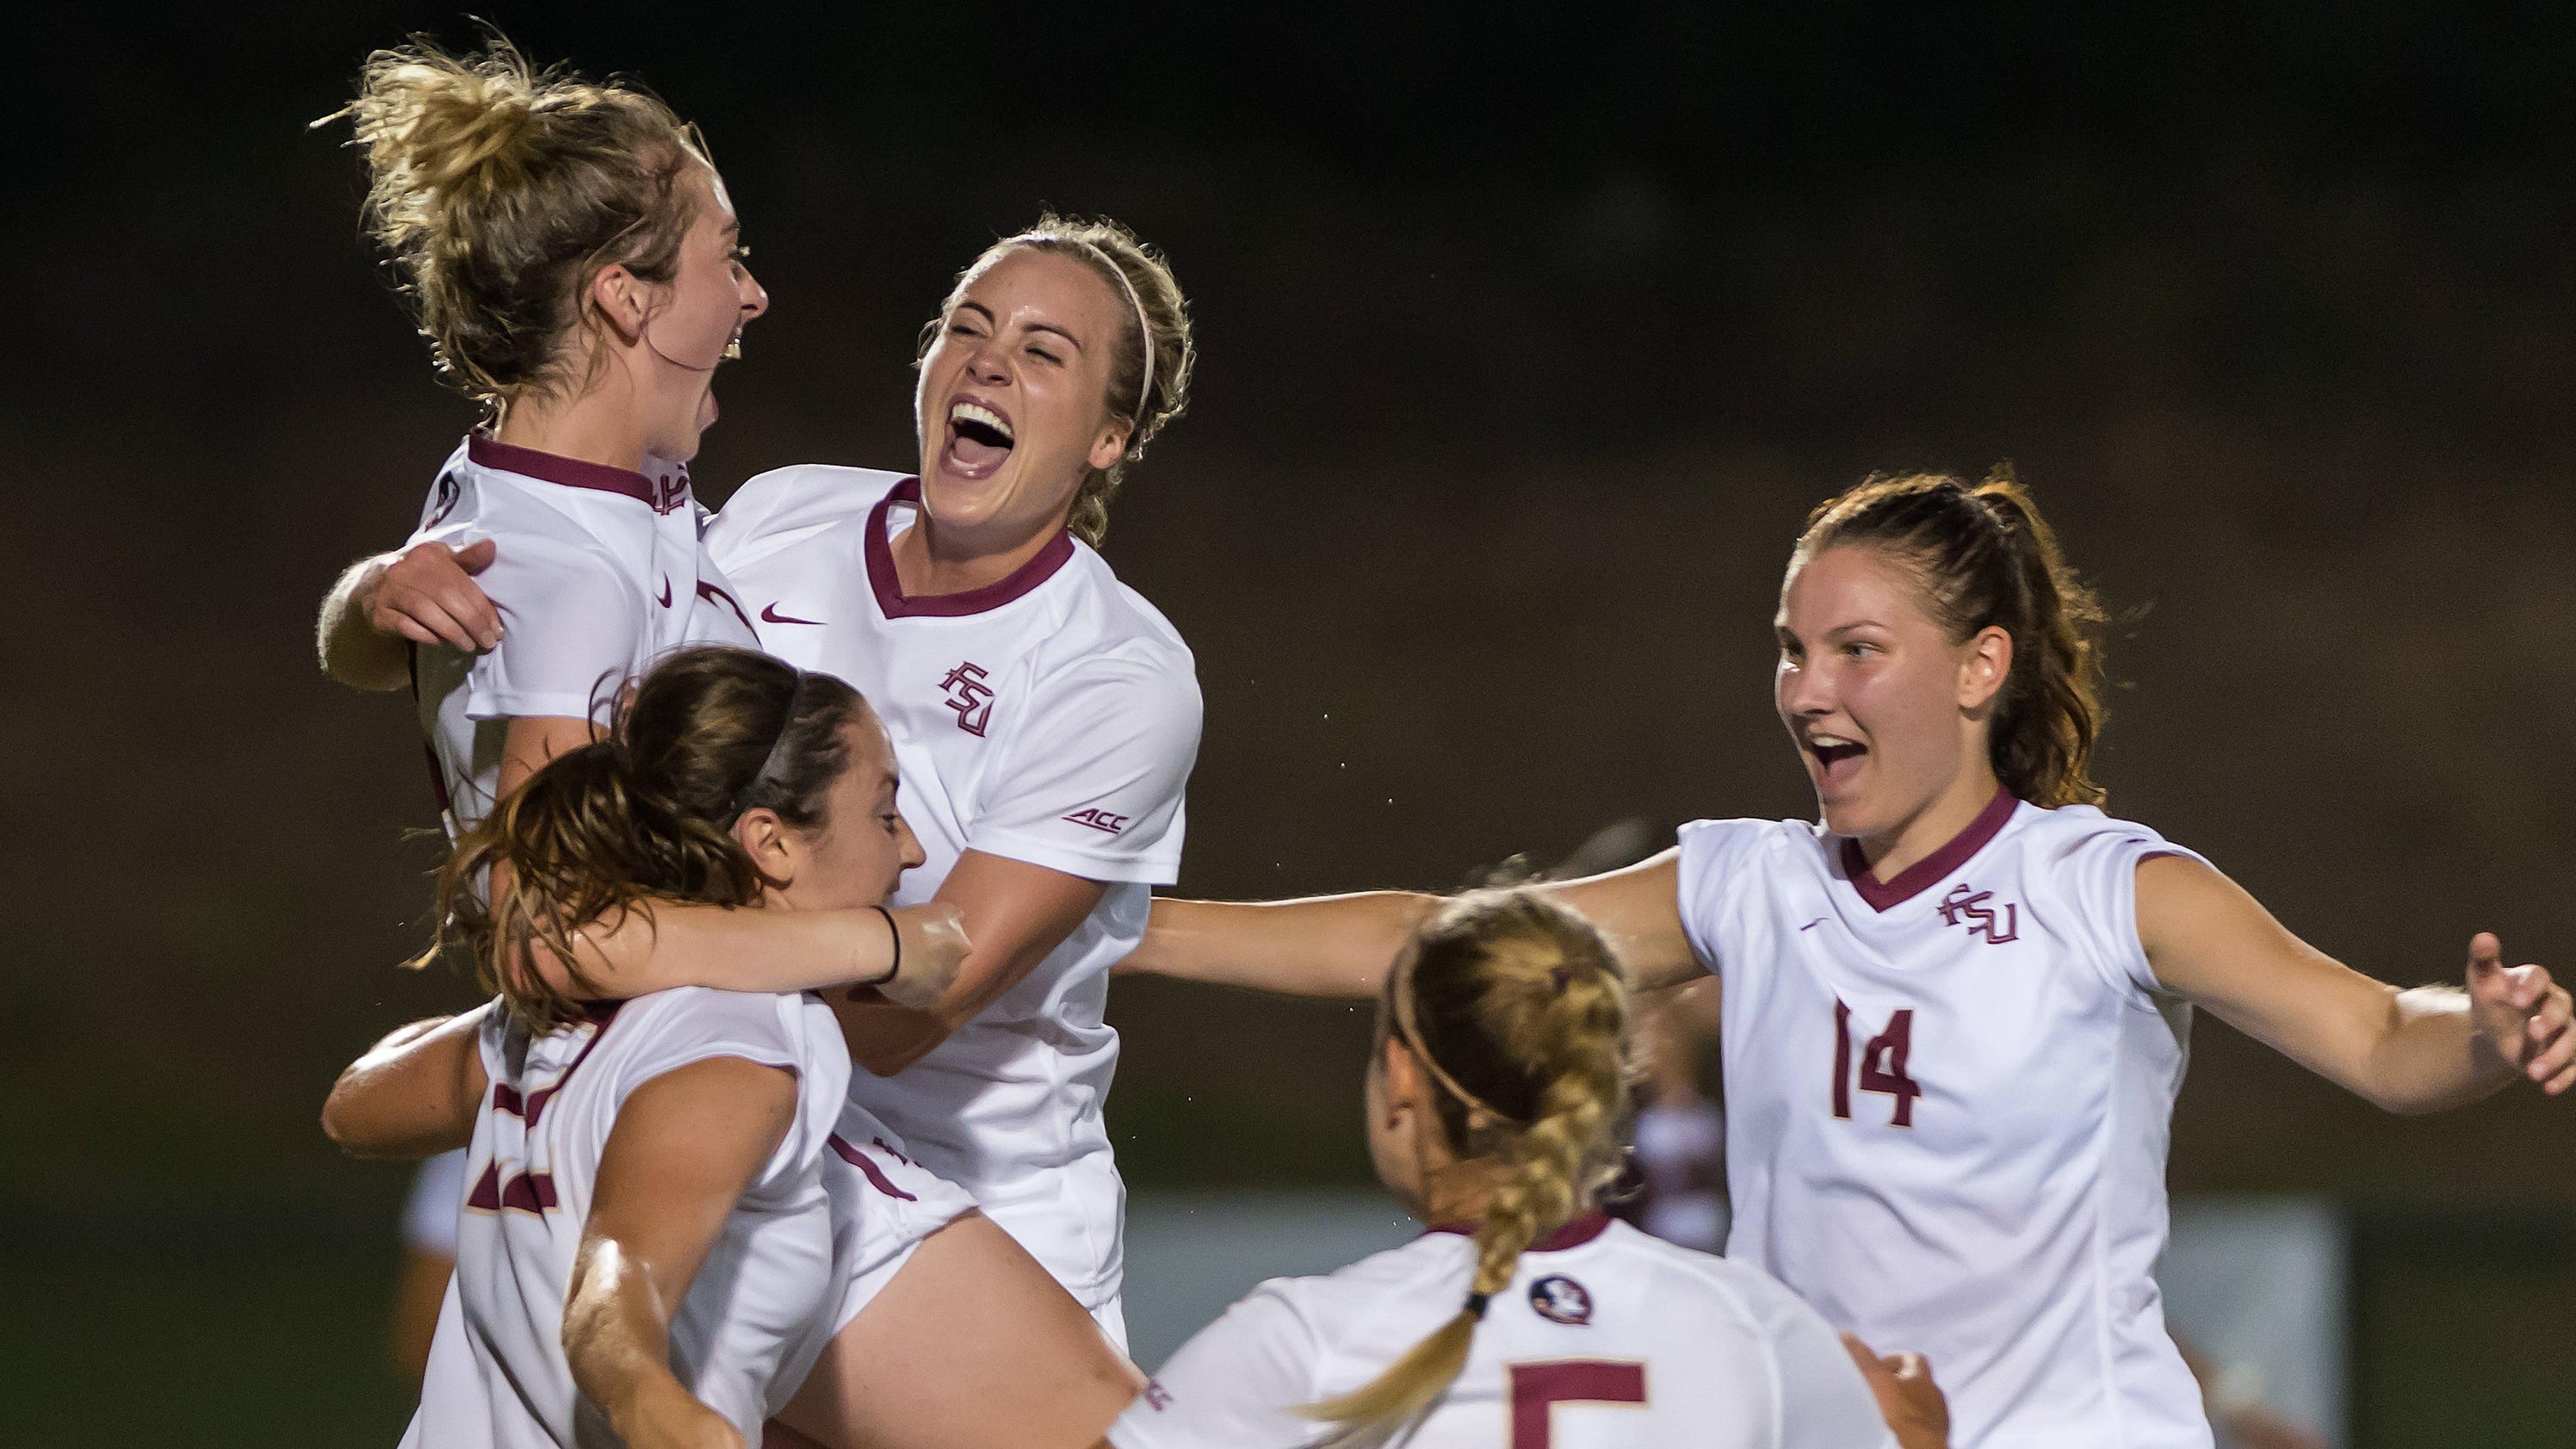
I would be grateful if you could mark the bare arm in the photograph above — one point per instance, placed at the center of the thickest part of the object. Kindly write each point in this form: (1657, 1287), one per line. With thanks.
(659, 945)
(1329, 946)
(685, 1147)
(1341, 946)
(1014, 913)
(382, 606)
(2419, 1050)
(414, 1094)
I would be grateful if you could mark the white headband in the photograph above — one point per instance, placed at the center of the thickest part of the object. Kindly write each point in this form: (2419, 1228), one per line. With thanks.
(1144, 330)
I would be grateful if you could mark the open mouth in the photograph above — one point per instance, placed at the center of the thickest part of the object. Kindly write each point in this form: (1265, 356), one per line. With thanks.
(979, 438)
(1836, 756)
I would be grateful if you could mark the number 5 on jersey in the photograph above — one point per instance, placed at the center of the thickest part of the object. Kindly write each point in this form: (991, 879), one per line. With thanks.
(1882, 1064)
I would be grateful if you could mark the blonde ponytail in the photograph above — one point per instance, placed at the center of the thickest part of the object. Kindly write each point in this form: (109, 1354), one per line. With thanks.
(1516, 1008)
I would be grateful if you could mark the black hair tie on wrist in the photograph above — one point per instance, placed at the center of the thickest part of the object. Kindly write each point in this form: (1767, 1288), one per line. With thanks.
(896, 933)
(1476, 1305)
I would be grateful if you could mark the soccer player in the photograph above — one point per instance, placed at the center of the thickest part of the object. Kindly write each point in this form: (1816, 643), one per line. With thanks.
(1524, 1316)
(1954, 1012)
(1046, 715)
(620, 1149)
(571, 256)
(573, 259)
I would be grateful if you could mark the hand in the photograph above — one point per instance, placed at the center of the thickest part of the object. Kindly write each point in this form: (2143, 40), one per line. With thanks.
(934, 947)
(429, 597)
(2522, 1014)
(669, 1417)
(1907, 1398)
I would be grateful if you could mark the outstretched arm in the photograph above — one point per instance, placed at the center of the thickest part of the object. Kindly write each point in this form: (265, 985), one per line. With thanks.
(1330, 946)
(2419, 1050)
(414, 1094)
(382, 606)
(685, 1147)
(1341, 946)
(658, 945)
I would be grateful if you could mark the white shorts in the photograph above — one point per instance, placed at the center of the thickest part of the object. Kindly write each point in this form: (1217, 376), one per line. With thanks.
(883, 1205)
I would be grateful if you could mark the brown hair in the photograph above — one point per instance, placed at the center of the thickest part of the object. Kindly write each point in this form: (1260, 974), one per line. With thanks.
(498, 192)
(1984, 558)
(645, 812)
(1518, 1013)
(1113, 253)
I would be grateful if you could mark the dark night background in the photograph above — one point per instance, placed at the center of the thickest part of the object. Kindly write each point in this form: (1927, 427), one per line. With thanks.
(1527, 339)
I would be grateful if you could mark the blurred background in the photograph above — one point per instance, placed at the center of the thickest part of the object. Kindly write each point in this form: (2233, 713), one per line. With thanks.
(1527, 340)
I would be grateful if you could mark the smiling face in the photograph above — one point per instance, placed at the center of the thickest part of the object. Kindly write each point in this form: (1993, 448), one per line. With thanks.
(1012, 407)
(694, 322)
(862, 847)
(1887, 710)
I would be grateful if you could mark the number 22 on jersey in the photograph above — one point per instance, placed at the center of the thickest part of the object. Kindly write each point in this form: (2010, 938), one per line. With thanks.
(1882, 1064)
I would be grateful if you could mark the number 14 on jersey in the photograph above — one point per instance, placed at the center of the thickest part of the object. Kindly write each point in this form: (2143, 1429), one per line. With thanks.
(1882, 1064)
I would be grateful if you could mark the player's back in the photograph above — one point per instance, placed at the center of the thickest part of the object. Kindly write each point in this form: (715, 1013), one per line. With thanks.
(1605, 1337)
(760, 1308)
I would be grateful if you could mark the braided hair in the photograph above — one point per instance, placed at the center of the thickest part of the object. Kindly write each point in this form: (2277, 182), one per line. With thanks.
(1518, 1013)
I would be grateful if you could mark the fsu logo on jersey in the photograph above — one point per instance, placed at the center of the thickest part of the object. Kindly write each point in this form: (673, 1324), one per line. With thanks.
(449, 491)
(970, 696)
(1966, 905)
(1560, 1299)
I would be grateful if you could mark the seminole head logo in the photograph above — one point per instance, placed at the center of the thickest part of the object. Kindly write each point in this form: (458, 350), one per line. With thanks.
(1560, 1299)
(970, 696)
(449, 491)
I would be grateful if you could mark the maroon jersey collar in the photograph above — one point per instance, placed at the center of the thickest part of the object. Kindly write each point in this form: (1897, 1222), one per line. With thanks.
(897, 605)
(1573, 1235)
(1922, 874)
(574, 473)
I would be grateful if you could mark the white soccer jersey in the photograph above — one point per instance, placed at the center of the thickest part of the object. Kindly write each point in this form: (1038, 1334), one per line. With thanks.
(1051, 718)
(599, 571)
(1606, 1339)
(761, 1308)
(1948, 1103)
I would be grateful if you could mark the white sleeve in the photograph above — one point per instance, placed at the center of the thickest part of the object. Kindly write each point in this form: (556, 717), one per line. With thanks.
(1710, 868)
(570, 624)
(730, 532)
(778, 508)
(2099, 872)
(1237, 1382)
(1090, 782)
(1824, 1402)
(795, 1034)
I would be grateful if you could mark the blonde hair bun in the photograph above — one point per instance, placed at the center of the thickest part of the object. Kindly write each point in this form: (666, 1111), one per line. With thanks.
(499, 191)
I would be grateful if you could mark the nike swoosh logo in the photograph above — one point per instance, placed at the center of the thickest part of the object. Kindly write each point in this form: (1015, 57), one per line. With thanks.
(770, 615)
(666, 591)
